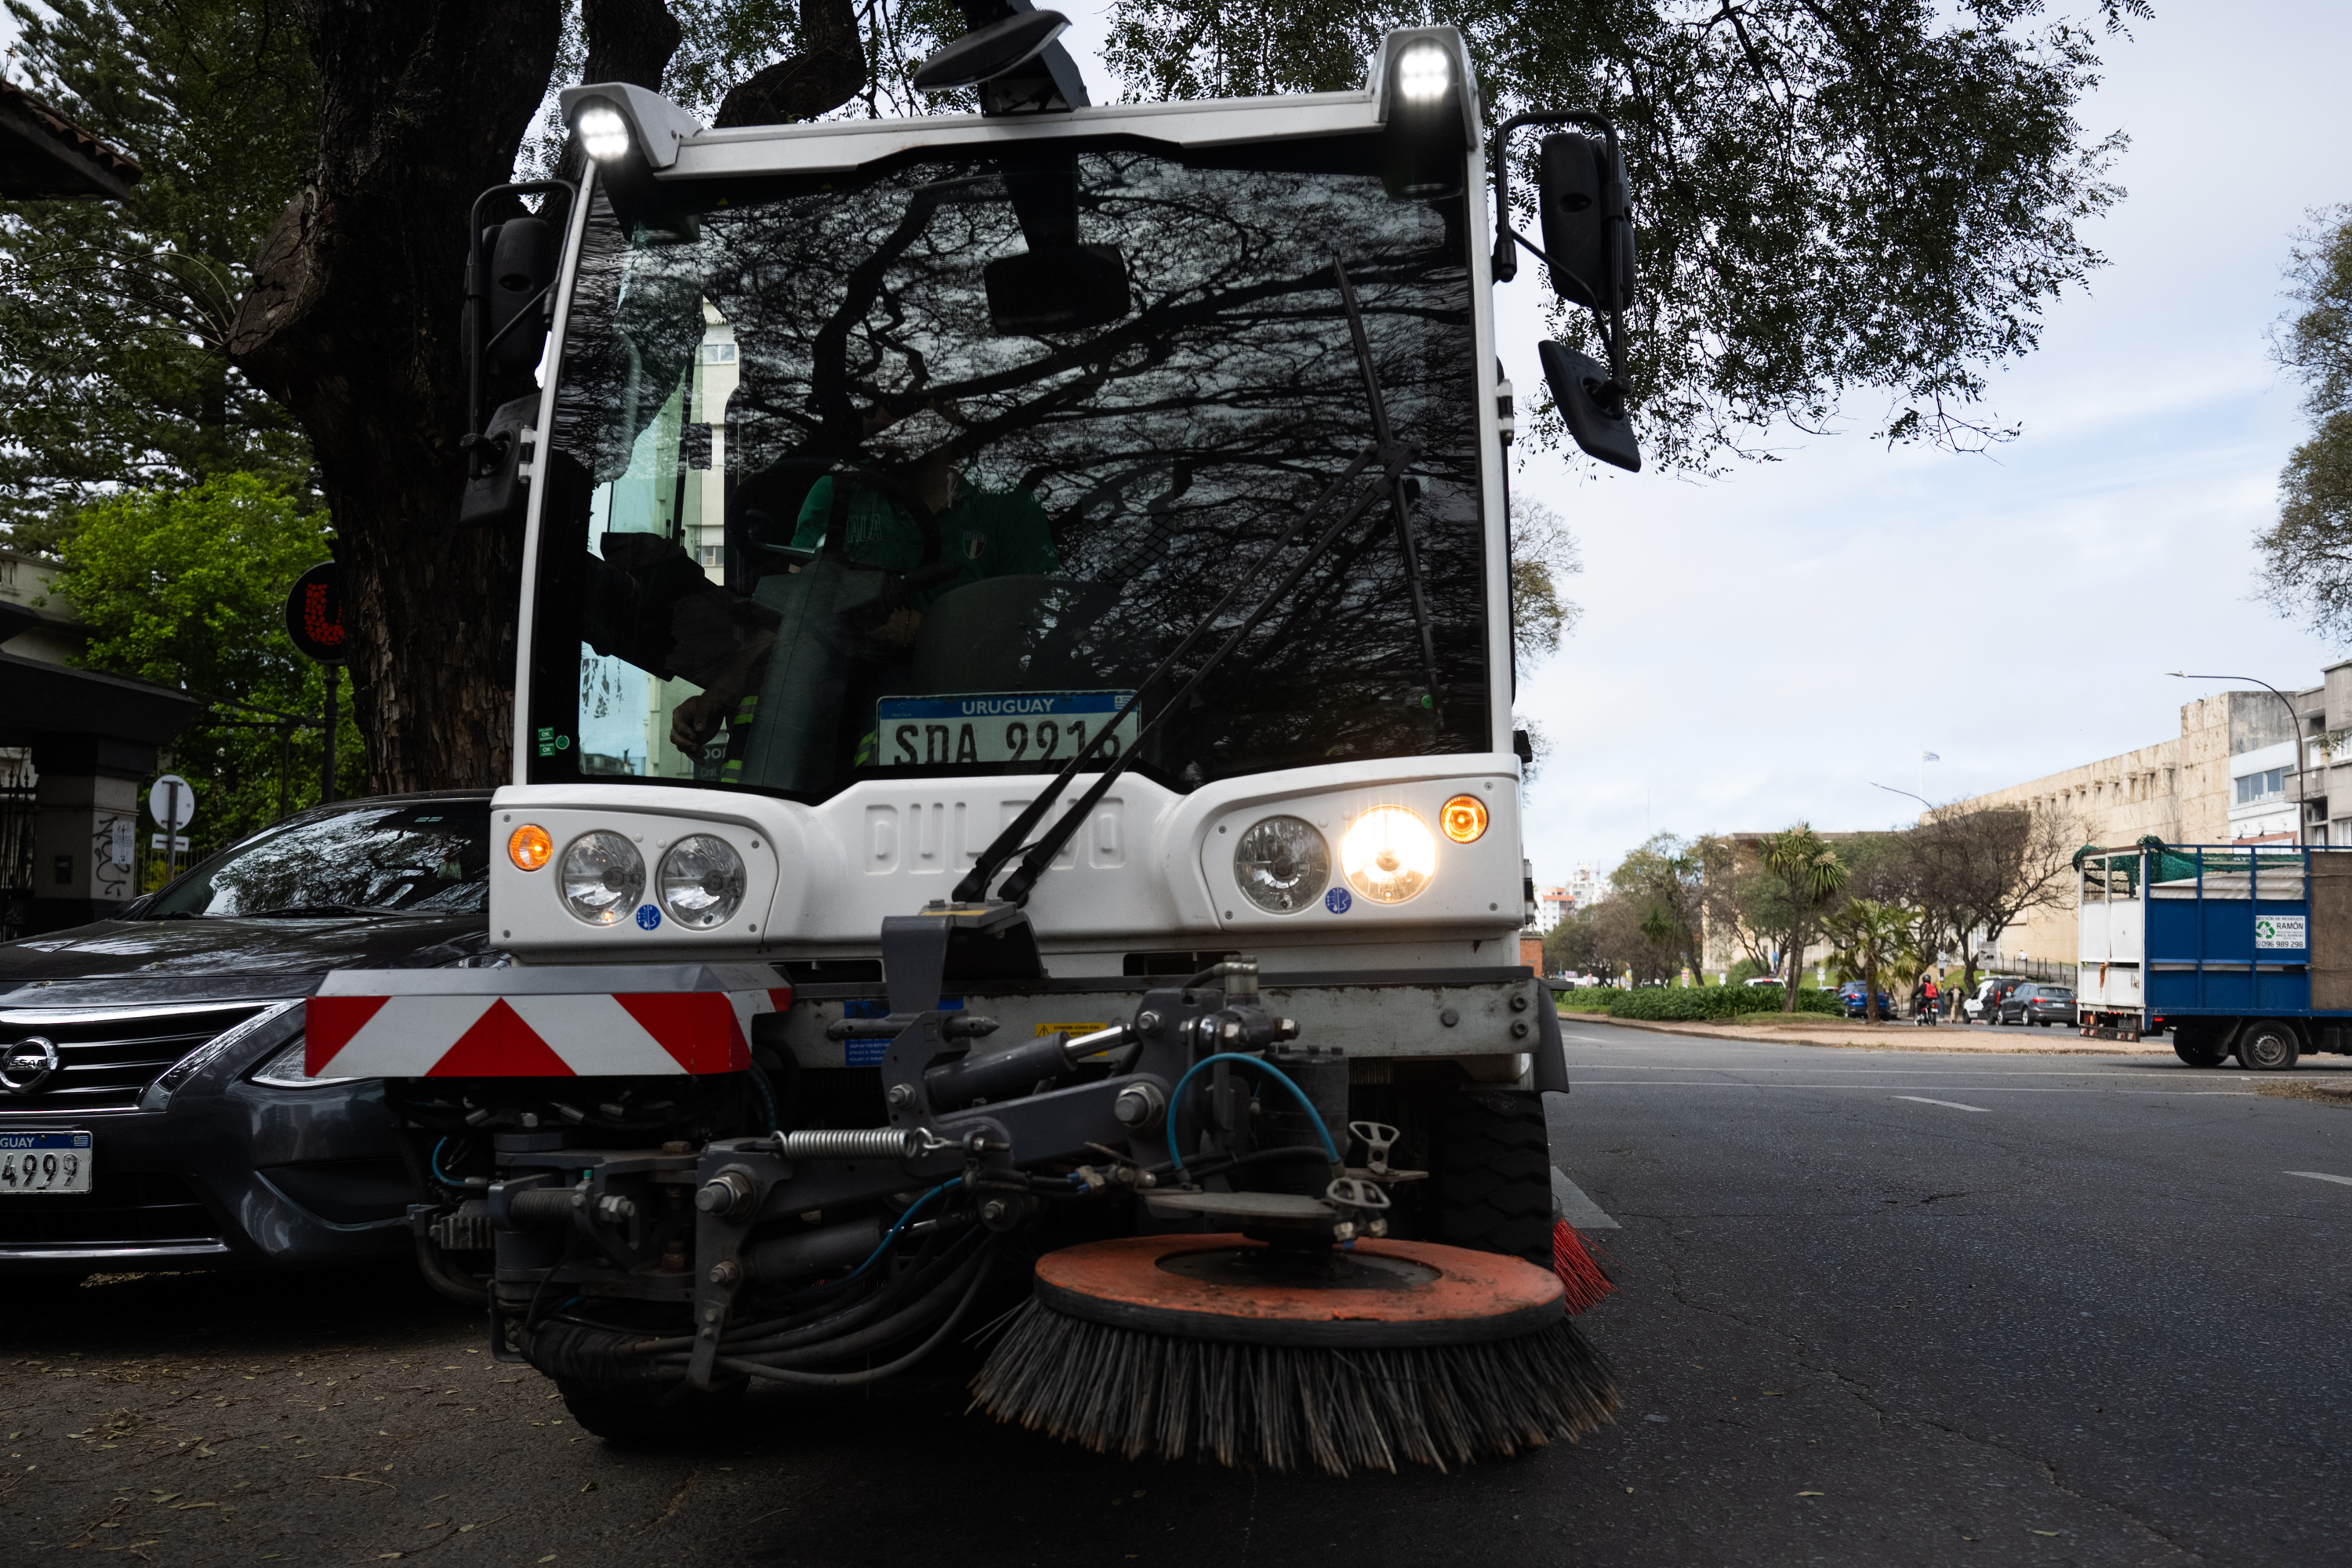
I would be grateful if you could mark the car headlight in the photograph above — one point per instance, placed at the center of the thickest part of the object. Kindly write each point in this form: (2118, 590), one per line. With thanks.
(283, 1070)
(1281, 864)
(604, 876)
(701, 882)
(1388, 855)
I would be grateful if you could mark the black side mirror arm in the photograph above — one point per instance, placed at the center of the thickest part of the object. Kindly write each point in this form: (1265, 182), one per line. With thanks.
(1615, 210)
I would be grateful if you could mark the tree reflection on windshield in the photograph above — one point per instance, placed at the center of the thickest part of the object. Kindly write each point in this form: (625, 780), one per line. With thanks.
(417, 859)
(822, 457)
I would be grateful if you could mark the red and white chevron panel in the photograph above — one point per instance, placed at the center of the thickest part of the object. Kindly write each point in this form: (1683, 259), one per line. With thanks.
(586, 1034)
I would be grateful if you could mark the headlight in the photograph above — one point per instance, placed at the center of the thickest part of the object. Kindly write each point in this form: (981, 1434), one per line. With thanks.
(604, 876)
(1388, 855)
(1281, 864)
(284, 1070)
(701, 882)
(604, 134)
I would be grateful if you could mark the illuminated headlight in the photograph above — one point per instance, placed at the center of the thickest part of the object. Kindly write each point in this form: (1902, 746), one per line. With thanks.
(1281, 864)
(701, 882)
(1422, 75)
(1388, 855)
(604, 876)
(604, 134)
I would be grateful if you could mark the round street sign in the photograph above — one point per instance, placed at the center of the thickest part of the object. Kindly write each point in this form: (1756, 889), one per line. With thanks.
(314, 613)
(171, 802)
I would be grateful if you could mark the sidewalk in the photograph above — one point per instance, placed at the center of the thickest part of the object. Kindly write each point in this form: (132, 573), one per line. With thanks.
(1845, 1034)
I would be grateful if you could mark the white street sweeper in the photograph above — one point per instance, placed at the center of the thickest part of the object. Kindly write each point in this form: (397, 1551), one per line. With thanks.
(1014, 788)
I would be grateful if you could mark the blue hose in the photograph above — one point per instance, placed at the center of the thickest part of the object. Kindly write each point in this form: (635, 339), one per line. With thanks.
(887, 1240)
(1176, 1101)
(434, 1159)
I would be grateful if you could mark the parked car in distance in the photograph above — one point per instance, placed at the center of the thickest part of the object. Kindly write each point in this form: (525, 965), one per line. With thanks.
(1849, 1001)
(1998, 991)
(1764, 980)
(1978, 1006)
(2039, 1004)
(154, 1112)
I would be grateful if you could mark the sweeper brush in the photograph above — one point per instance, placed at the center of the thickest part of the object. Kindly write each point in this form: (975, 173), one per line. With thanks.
(1223, 1348)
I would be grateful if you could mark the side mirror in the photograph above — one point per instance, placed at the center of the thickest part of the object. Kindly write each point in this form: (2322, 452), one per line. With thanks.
(1591, 403)
(1066, 288)
(523, 264)
(1588, 229)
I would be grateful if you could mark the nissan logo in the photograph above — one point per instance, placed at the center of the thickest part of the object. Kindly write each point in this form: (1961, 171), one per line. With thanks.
(28, 1064)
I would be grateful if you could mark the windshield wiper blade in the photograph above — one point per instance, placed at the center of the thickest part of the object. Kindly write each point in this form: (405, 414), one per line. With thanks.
(299, 912)
(1393, 460)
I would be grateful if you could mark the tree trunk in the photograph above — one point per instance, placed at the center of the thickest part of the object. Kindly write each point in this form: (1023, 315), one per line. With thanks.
(352, 323)
(826, 74)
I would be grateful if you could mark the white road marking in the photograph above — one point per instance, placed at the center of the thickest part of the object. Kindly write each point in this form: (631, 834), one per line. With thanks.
(1569, 1202)
(2323, 1176)
(1947, 1104)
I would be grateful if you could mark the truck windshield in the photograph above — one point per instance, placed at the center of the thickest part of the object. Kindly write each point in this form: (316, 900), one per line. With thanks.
(918, 472)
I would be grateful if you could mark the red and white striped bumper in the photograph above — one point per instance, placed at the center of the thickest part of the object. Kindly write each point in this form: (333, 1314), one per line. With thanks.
(560, 1021)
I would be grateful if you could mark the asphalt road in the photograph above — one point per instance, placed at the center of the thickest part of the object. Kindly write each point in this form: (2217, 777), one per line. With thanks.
(1877, 1308)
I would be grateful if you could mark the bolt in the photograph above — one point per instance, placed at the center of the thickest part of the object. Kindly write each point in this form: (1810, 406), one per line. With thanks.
(710, 1314)
(1147, 1022)
(1449, 1018)
(1518, 1028)
(1138, 1106)
(993, 1211)
(902, 1095)
(1519, 1002)
(724, 1273)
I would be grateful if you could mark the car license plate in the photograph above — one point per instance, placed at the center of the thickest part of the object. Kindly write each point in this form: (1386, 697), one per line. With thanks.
(44, 1162)
(998, 727)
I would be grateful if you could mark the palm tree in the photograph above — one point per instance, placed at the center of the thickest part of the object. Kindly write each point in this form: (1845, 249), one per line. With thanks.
(1869, 935)
(1811, 875)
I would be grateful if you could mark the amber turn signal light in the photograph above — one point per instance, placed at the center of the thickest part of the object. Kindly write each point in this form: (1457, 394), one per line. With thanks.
(1463, 818)
(530, 847)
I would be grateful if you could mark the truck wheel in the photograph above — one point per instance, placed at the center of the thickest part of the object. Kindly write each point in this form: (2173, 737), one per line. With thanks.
(1492, 1169)
(2198, 1051)
(2268, 1046)
(637, 1418)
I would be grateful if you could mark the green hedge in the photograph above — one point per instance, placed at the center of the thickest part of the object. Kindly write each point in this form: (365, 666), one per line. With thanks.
(1664, 1004)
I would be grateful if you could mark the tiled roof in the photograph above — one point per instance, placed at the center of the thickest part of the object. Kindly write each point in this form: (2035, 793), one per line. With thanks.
(26, 116)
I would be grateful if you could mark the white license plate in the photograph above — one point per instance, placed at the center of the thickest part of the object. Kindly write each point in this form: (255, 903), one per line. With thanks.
(998, 727)
(44, 1162)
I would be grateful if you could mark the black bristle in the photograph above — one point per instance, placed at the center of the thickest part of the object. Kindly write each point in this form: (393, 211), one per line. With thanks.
(1125, 1391)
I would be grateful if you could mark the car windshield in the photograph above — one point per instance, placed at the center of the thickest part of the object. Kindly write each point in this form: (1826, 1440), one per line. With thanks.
(430, 858)
(2054, 994)
(920, 471)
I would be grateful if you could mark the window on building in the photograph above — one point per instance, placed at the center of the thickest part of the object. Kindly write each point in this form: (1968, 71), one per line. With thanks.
(719, 354)
(2256, 787)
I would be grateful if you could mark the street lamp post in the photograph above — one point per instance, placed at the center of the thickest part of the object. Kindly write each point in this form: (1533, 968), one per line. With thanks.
(2293, 728)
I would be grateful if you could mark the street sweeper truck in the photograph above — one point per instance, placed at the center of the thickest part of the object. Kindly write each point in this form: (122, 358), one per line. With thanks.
(1015, 816)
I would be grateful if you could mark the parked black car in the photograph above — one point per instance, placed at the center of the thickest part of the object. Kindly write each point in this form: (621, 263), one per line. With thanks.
(2038, 1004)
(153, 1110)
(2000, 992)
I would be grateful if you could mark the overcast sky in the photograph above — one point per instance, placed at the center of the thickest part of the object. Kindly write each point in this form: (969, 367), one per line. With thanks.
(1768, 646)
(1765, 648)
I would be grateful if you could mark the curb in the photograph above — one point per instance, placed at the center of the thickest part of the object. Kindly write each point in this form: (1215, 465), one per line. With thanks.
(1749, 1035)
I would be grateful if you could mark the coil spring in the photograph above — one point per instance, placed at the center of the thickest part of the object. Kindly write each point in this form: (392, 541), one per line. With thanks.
(851, 1144)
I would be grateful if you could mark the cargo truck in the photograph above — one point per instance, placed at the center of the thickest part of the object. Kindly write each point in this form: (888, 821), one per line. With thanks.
(2244, 950)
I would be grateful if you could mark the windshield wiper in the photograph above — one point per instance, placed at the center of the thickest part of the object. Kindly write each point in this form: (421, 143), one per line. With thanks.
(299, 912)
(1388, 484)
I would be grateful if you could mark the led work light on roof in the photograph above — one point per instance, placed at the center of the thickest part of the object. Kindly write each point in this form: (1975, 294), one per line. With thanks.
(604, 134)
(1424, 74)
